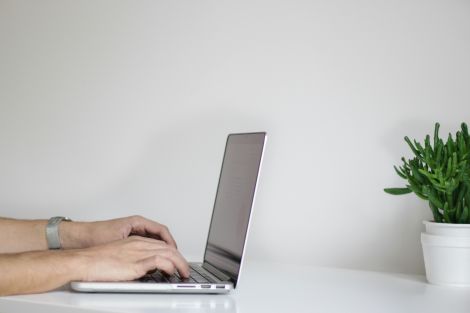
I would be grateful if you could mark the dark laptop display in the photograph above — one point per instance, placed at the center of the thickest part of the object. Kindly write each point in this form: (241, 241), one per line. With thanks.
(233, 203)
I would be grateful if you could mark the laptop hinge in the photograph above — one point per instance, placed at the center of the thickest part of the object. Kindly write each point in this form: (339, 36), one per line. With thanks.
(214, 271)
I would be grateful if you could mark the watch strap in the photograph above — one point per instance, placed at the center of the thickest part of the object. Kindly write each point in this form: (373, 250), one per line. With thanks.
(52, 232)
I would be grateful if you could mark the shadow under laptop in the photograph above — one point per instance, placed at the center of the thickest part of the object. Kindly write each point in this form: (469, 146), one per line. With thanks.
(116, 302)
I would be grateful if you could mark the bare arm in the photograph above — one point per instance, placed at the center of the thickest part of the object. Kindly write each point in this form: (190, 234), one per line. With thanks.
(127, 259)
(19, 235)
(94, 251)
(32, 272)
(30, 235)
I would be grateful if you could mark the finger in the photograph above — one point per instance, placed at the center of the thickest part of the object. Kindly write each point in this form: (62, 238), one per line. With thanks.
(154, 229)
(180, 263)
(158, 262)
(148, 240)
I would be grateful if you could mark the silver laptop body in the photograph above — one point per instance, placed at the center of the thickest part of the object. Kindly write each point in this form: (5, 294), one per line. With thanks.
(223, 257)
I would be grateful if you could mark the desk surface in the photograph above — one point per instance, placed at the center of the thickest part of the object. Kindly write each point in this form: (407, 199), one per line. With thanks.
(266, 287)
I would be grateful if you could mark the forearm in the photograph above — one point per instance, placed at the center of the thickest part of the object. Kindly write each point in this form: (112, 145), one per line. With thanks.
(21, 235)
(30, 235)
(39, 271)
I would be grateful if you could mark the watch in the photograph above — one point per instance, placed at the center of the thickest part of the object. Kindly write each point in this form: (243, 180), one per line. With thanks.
(52, 232)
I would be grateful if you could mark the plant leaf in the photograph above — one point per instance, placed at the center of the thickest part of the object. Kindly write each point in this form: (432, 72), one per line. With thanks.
(436, 134)
(399, 172)
(397, 191)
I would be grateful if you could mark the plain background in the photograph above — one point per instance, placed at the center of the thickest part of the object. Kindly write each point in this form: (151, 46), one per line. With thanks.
(114, 108)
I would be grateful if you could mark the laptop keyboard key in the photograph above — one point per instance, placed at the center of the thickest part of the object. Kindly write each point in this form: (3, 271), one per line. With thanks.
(173, 279)
(146, 279)
(199, 275)
(159, 277)
(196, 276)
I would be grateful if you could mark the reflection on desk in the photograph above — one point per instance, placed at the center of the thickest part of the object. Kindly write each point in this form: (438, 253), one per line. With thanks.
(158, 303)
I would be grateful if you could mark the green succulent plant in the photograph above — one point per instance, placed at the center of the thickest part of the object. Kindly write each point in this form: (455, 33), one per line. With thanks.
(440, 174)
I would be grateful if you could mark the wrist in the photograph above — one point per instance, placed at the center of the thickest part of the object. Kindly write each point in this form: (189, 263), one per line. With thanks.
(76, 262)
(74, 235)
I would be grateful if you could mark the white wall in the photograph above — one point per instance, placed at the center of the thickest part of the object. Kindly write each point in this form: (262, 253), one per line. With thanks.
(112, 108)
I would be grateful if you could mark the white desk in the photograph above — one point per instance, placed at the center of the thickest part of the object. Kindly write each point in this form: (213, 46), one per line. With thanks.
(304, 289)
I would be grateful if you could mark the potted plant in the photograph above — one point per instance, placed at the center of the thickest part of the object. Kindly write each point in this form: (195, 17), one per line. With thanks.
(439, 173)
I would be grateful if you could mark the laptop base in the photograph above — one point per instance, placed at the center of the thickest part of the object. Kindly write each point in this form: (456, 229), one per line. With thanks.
(151, 286)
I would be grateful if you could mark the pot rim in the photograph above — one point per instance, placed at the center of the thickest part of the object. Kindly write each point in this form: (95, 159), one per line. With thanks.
(444, 241)
(447, 224)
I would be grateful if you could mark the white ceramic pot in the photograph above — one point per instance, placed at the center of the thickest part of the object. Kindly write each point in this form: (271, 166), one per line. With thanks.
(446, 250)
(444, 229)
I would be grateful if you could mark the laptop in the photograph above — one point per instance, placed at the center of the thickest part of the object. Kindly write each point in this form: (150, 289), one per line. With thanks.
(220, 270)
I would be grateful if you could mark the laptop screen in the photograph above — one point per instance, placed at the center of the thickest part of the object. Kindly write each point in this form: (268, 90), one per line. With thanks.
(233, 202)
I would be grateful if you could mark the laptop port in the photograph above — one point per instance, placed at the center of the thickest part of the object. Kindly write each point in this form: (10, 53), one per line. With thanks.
(220, 287)
(205, 286)
(185, 286)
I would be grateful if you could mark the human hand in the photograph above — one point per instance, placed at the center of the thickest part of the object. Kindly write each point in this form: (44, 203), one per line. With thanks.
(121, 260)
(128, 259)
(75, 235)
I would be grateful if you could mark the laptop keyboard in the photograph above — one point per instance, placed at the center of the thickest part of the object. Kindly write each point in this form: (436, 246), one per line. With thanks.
(197, 275)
